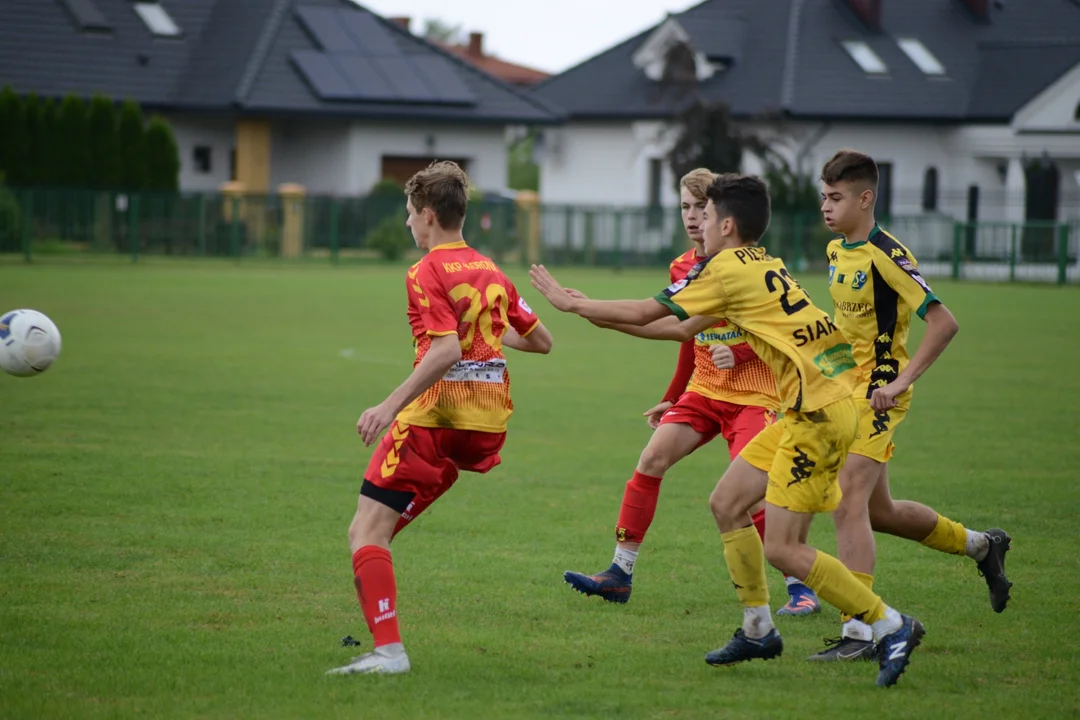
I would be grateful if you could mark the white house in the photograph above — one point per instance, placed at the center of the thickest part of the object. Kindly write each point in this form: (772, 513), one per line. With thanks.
(950, 97)
(322, 93)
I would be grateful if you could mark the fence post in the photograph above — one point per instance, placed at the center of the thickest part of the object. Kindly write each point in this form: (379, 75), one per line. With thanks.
(27, 223)
(618, 222)
(590, 250)
(1063, 252)
(133, 226)
(1012, 253)
(335, 210)
(957, 241)
(234, 228)
(202, 224)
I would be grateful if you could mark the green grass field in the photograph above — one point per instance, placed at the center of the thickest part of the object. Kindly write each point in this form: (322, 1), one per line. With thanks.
(174, 496)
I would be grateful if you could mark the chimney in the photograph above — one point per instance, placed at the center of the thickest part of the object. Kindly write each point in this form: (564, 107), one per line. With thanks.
(869, 12)
(402, 20)
(979, 9)
(476, 45)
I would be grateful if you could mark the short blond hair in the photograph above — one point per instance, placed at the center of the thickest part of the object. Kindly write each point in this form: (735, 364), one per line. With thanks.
(697, 181)
(444, 187)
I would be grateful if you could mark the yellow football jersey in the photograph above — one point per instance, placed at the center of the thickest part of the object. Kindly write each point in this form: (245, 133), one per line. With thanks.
(875, 286)
(807, 353)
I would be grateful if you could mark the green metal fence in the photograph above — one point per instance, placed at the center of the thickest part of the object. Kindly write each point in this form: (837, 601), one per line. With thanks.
(36, 222)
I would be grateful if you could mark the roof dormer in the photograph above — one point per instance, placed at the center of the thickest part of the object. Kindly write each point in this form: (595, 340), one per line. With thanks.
(670, 42)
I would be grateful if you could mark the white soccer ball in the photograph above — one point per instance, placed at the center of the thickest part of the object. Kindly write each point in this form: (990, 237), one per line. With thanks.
(29, 343)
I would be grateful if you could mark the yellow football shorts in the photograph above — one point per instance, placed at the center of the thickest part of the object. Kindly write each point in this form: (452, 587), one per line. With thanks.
(876, 428)
(803, 453)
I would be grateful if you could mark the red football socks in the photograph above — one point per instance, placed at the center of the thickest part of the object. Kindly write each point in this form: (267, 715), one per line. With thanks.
(638, 507)
(373, 570)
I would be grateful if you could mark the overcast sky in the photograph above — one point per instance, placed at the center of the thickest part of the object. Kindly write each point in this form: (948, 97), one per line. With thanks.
(550, 35)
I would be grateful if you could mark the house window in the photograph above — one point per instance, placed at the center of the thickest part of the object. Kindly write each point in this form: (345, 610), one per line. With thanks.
(929, 189)
(921, 56)
(88, 16)
(157, 19)
(864, 57)
(201, 156)
(883, 207)
(655, 212)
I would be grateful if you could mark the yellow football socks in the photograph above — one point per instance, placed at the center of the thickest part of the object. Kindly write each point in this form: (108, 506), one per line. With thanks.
(839, 587)
(947, 537)
(745, 557)
(867, 580)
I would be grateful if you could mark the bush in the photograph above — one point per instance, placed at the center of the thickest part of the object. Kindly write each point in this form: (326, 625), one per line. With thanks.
(390, 238)
(386, 200)
(162, 156)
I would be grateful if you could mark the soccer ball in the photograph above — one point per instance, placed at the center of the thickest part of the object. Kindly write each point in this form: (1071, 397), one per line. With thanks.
(29, 342)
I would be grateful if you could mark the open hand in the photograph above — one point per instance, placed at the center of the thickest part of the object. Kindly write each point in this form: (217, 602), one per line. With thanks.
(550, 288)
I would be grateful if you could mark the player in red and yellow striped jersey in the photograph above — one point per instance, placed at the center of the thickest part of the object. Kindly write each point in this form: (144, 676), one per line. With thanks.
(451, 413)
(720, 388)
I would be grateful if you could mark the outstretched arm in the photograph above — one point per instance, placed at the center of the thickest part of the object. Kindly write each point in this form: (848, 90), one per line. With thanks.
(666, 328)
(629, 312)
(444, 352)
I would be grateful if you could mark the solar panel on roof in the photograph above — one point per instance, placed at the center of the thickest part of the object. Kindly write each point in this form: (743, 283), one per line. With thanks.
(361, 60)
(325, 26)
(408, 84)
(322, 75)
(370, 37)
(367, 82)
(441, 76)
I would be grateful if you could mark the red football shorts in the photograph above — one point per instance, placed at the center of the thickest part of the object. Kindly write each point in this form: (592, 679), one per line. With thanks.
(426, 461)
(738, 424)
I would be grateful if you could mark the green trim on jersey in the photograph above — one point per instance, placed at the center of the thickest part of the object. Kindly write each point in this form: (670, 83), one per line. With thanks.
(930, 298)
(851, 246)
(673, 307)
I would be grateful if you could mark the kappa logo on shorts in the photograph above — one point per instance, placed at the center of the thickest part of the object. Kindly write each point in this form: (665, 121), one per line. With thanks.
(881, 423)
(801, 467)
(393, 456)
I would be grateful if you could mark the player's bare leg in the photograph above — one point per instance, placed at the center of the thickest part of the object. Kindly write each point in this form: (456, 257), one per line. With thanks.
(740, 489)
(370, 533)
(856, 549)
(894, 635)
(914, 521)
(801, 599)
(669, 444)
